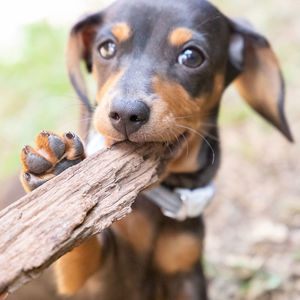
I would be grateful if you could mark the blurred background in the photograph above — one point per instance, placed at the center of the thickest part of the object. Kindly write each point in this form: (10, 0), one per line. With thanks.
(253, 225)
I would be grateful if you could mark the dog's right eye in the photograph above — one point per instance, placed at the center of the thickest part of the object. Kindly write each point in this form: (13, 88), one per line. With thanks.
(107, 49)
(191, 57)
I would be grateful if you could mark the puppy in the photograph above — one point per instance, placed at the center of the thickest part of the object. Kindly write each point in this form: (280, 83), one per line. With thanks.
(161, 68)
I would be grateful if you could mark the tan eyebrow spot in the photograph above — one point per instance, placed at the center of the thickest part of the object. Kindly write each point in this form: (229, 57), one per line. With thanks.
(180, 36)
(121, 31)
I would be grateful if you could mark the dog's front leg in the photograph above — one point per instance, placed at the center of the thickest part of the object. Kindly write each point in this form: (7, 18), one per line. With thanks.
(178, 260)
(52, 155)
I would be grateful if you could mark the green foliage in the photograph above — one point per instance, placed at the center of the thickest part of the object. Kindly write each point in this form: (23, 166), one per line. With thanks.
(35, 92)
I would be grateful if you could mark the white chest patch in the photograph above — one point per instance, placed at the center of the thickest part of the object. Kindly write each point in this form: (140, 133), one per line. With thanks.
(96, 141)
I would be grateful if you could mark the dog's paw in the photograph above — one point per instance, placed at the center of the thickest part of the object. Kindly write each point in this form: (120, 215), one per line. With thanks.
(52, 155)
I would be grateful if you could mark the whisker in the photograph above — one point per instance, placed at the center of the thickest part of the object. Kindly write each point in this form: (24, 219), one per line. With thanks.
(209, 124)
(203, 137)
(214, 137)
(85, 119)
(187, 146)
(183, 117)
(176, 137)
(186, 142)
(167, 143)
(75, 121)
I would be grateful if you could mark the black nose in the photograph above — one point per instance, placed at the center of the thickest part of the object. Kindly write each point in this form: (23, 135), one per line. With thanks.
(128, 116)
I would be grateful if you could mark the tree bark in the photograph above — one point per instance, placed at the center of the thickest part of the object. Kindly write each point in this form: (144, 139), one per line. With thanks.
(80, 202)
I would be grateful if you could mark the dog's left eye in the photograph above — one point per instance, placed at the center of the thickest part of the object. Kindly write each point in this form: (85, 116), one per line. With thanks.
(107, 49)
(191, 57)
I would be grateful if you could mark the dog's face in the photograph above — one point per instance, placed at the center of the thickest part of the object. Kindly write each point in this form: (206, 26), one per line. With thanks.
(158, 72)
(162, 66)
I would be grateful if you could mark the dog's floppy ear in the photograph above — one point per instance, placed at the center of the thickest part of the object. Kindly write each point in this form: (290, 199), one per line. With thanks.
(256, 73)
(79, 48)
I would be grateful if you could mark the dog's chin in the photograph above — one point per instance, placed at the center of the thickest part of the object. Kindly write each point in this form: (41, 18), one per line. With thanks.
(173, 147)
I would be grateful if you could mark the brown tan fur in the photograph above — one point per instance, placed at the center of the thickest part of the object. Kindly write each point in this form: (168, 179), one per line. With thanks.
(42, 142)
(216, 93)
(104, 95)
(189, 113)
(254, 84)
(190, 150)
(178, 100)
(177, 252)
(137, 230)
(180, 36)
(121, 31)
(73, 269)
(108, 85)
(180, 109)
(181, 104)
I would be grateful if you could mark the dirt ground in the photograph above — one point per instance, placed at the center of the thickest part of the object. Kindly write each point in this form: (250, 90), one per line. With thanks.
(253, 224)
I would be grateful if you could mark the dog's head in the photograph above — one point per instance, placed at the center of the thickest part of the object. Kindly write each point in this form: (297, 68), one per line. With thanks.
(161, 68)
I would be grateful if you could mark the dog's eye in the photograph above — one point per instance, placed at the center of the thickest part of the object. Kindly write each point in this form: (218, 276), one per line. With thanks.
(107, 49)
(191, 57)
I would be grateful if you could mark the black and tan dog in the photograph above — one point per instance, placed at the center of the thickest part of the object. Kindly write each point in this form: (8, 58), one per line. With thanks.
(161, 68)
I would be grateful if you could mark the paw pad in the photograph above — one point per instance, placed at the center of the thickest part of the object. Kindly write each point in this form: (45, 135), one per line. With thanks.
(51, 156)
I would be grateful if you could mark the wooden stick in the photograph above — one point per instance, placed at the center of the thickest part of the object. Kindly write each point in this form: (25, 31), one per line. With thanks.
(80, 202)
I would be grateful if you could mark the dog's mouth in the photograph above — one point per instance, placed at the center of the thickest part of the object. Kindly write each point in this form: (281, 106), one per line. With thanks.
(174, 147)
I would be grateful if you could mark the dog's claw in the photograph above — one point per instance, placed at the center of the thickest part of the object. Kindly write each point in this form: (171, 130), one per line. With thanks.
(70, 135)
(52, 155)
(74, 143)
(44, 132)
(33, 182)
(27, 176)
(25, 149)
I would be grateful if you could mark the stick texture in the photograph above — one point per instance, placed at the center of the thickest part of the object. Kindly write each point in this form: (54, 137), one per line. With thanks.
(80, 202)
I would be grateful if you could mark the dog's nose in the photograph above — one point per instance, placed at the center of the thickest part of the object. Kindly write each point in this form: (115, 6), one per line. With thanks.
(128, 116)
